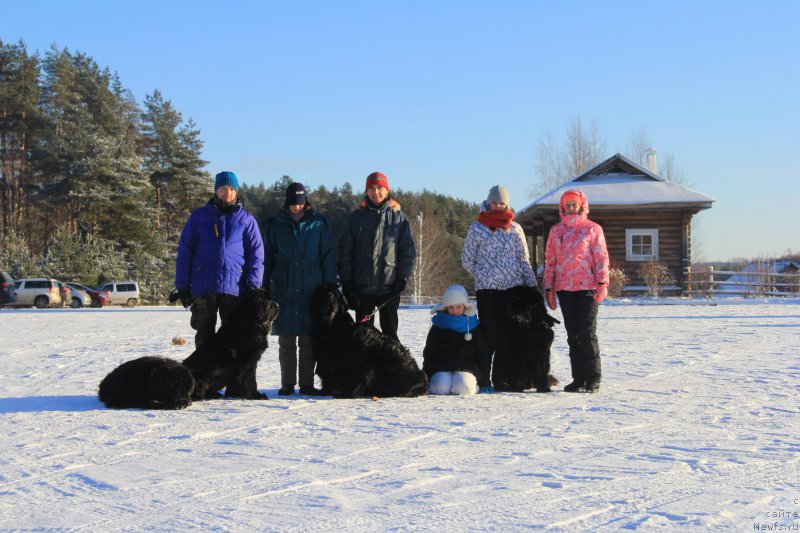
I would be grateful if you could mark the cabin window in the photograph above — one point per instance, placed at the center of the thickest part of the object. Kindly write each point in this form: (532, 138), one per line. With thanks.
(641, 244)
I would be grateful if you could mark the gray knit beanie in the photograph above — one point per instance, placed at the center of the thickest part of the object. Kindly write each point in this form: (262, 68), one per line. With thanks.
(498, 194)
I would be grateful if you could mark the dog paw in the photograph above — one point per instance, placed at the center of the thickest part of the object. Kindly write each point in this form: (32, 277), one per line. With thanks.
(212, 395)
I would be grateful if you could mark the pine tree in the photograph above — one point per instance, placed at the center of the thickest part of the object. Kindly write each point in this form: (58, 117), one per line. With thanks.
(153, 270)
(92, 260)
(15, 256)
(91, 176)
(20, 125)
(172, 164)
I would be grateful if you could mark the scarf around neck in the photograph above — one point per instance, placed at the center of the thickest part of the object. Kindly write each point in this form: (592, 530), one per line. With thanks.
(461, 324)
(496, 219)
(222, 207)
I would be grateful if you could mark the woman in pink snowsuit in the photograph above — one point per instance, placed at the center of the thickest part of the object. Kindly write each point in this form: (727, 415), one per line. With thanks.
(576, 269)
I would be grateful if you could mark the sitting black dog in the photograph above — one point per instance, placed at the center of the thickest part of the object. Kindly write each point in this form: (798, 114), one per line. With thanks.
(148, 383)
(529, 332)
(230, 358)
(357, 360)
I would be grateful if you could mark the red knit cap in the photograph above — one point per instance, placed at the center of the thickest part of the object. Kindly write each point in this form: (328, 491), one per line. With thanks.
(376, 178)
(571, 197)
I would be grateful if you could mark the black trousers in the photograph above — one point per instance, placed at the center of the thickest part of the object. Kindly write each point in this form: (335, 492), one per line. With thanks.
(204, 315)
(580, 320)
(388, 313)
(491, 312)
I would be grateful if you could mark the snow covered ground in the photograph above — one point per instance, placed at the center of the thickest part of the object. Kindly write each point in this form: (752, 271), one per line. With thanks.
(696, 427)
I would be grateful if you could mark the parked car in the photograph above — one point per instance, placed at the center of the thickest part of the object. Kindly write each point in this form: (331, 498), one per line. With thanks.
(98, 298)
(80, 298)
(66, 294)
(8, 293)
(122, 292)
(39, 292)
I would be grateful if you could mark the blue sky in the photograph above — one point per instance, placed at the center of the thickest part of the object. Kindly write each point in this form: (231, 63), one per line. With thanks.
(454, 96)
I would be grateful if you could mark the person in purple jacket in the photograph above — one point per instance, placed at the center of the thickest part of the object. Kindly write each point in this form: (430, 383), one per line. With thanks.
(220, 254)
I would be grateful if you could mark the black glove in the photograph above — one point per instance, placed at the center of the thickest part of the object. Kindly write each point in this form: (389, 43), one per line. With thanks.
(244, 290)
(349, 292)
(184, 295)
(399, 286)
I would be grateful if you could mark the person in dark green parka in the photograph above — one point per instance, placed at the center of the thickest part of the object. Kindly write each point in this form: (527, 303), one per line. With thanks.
(299, 256)
(376, 256)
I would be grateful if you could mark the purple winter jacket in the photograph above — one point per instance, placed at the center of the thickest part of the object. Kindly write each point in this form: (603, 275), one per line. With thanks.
(219, 253)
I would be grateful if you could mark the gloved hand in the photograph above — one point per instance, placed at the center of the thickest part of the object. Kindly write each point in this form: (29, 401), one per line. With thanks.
(347, 288)
(550, 297)
(349, 292)
(399, 286)
(245, 289)
(486, 389)
(184, 295)
(600, 293)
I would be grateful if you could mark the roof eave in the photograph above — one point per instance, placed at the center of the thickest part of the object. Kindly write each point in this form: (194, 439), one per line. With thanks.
(535, 210)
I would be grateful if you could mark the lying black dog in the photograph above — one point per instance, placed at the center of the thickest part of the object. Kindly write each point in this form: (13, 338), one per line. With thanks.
(529, 334)
(148, 383)
(230, 358)
(355, 359)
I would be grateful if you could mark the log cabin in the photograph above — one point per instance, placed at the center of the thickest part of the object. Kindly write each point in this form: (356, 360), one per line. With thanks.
(644, 216)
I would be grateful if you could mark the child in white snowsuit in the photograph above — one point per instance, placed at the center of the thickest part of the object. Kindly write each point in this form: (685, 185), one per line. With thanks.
(457, 357)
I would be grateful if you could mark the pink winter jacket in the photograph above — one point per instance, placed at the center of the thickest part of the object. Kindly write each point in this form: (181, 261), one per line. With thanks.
(576, 257)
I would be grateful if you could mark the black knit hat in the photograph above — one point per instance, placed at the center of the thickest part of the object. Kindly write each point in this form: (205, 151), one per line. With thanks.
(295, 194)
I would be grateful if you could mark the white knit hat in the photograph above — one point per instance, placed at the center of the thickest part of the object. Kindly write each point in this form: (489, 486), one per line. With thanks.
(454, 295)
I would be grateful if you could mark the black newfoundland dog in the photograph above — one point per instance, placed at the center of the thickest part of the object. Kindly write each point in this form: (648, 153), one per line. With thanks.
(230, 358)
(355, 359)
(148, 383)
(529, 333)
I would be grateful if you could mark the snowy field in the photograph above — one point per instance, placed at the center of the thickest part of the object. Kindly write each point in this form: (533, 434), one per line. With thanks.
(695, 428)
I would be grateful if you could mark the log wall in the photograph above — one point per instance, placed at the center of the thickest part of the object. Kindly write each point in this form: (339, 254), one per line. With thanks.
(674, 238)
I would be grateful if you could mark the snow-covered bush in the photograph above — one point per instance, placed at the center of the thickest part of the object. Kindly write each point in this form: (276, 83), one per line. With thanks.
(655, 275)
(154, 275)
(92, 261)
(617, 279)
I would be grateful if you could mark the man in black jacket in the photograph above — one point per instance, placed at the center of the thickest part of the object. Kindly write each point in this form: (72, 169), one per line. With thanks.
(376, 255)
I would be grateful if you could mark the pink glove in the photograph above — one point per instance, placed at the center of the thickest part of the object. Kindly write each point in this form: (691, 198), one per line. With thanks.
(550, 296)
(600, 293)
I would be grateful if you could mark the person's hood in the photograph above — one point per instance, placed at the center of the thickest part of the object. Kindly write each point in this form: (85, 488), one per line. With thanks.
(582, 214)
(389, 203)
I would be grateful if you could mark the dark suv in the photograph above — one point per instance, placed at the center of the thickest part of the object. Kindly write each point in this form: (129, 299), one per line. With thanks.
(8, 294)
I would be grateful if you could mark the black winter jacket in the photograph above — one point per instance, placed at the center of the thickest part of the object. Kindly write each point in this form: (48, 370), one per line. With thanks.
(448, 351)
(376, 249)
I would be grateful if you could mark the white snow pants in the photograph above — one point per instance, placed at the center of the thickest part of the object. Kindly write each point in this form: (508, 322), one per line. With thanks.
(463, 383)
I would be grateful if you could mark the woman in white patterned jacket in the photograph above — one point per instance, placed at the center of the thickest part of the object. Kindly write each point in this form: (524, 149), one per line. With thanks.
(496, 254)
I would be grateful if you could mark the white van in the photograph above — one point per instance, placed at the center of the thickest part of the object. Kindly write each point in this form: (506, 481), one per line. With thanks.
(122, 292)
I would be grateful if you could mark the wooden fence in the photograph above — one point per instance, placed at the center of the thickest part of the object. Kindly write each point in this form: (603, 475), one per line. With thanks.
(710, 282)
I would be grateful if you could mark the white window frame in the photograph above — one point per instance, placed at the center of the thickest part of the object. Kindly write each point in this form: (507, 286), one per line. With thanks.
(630, 233)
